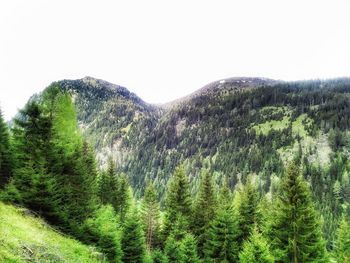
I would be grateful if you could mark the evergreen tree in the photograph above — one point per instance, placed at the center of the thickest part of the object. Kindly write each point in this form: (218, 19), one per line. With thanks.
(204, 208)
(248, 200)
(5, 153)
(133, 244)
(342, 246)
(159, 257)
(173, 250)
(255, 249)
(53, 168)
(221, 244)
(189, 249)
(103, 230)
(32, 145)
(150, 215)
(294, 228)
(107, 185)
(178, 200)
(123, 197)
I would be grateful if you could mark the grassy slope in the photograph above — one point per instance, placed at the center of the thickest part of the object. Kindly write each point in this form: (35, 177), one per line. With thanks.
(24, 238)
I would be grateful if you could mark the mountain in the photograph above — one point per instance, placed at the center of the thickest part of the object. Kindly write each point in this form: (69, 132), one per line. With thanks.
(235, 126)
(26, 238)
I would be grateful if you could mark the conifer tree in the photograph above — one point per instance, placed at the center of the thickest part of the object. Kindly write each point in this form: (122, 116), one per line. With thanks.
(248, 200)
(123, 197)
(107, 184)
(221, 244)
(173, 250)
(189, 249)
(294, 227)
(159, 257)
(204, 208)
(342, 245)
(133, 243)
(150, 215)
(256, 249)
(5, 153)
(178, 200)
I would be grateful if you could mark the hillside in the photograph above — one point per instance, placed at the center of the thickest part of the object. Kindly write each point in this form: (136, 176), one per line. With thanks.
(26, 238)
(250, 157)
(236, 126)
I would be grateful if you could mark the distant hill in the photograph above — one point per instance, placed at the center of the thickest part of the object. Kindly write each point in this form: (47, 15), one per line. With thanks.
(235, 127)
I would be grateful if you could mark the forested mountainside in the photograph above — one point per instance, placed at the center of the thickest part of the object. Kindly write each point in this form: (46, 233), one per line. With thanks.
(236, 127)
(244, 170)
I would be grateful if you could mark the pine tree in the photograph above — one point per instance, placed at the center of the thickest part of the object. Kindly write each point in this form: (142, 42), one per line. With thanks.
(123, 197)
(256, 249)
(103, 230)
(150, 214)
(189, 249)
(221, 244)
(342, 245)
(5, 153)
(133, 243)
(178, 200)
(159, 257)
(294, 228)
(107, 186)
(173, 250)
(204, 208)
(248, 200)
(32, 145)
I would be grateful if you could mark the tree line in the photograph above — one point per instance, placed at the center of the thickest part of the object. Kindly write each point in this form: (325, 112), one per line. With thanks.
(47, 166)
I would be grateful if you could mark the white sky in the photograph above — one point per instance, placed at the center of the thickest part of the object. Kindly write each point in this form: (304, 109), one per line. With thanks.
(162, 50)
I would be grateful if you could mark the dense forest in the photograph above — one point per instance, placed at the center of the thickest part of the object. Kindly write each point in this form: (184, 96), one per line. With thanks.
(246, 170)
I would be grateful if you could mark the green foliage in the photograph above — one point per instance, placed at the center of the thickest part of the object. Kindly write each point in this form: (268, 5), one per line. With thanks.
(173, 250)
(204, 208)
(159, 257)
(342, 246)
(26, 238)
(221, 244)
(178, 201)
(123, 199)
(295, 227)
(104, 231)
(256, 249)
(247, 209)
(5, 153)
(189, 249)
(150, 215)
(54, 170)
(133, 243)
(107, 185)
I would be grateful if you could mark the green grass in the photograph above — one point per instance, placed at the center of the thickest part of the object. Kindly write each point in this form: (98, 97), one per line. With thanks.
(25, 238)
(265, 127)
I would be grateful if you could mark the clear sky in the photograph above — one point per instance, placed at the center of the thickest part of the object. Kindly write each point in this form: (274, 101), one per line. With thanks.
(162, 50)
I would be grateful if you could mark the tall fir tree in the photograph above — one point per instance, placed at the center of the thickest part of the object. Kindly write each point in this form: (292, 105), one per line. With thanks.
(172, 250)
(178, 201)
(221, 244)
(5, 153)
(150, 215)
(342, 245)
(256, 249)
(123, 199)
(204, 208)
(53, 168)
(294, 226)
(133, 243)
(107, 186)
(189, 249)
(247, 209)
